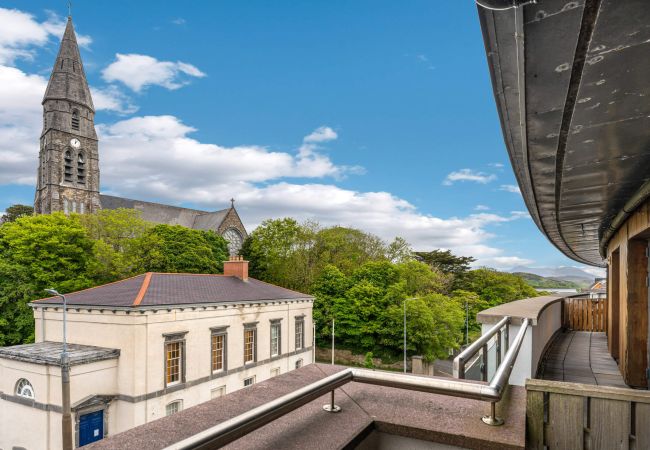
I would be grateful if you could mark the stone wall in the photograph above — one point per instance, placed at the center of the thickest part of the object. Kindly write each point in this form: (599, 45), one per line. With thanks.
(347, 358)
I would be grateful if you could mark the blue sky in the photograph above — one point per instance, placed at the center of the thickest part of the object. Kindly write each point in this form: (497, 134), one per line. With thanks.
(378, 115)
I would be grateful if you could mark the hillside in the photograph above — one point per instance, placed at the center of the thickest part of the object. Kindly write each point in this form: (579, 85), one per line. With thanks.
(540, 282)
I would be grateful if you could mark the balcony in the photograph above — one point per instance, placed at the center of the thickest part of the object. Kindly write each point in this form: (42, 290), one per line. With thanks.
(534, 352)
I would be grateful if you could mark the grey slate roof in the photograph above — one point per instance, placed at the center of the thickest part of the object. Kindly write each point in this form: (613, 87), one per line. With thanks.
(171, 215)
(166, 289)
(50, 353)
(68, 79)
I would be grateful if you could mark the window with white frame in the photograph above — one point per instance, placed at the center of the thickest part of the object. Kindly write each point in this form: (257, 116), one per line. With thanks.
(249, 381)
(275, 372)
(24, 388)
(300, 332)
(174, 358)
(174, 407)
(276, 333)
(250, 343)
(299, 364)
(218, 349)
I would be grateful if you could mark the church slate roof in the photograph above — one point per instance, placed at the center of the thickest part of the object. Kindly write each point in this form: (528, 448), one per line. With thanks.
(68, 79)
(167, 289)
(167, 214)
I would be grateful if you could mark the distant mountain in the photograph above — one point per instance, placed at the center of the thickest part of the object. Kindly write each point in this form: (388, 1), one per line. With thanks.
(539, 282)
(562, 273)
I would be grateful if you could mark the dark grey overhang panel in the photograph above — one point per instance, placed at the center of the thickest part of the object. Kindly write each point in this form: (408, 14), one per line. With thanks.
(572, 86)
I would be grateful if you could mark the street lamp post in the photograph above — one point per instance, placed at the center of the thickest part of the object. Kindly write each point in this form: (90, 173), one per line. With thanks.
(466, 322)
(406, 300)
(66, 418)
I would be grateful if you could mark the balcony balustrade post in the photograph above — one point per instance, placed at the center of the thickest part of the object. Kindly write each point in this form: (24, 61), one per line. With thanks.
(331, 406)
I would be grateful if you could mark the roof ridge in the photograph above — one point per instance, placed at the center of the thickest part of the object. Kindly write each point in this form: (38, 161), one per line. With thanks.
(281, 287)
(193, 274)
(93, 287)
(143, 289)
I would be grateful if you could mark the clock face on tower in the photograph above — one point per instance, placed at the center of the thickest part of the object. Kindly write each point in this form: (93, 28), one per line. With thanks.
(75, 143)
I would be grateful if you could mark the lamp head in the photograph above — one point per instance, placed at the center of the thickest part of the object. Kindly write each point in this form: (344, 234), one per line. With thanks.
(52, 291)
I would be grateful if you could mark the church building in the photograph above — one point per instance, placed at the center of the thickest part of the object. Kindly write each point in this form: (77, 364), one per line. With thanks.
(68, 168)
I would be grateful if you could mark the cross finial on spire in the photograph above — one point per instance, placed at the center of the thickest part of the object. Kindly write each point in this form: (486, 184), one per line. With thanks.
(232, 202)
(69, 8)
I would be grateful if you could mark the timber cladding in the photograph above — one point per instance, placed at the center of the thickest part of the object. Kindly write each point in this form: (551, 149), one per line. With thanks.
(627, 327)
(577, 416)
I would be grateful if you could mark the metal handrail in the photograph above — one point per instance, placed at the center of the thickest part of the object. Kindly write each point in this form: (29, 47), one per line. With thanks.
(481, 343)
(232, 429)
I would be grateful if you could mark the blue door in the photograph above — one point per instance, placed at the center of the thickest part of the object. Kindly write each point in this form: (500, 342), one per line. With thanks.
(91, 427)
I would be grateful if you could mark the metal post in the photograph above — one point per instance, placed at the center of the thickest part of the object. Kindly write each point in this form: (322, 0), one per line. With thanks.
(332, 341)
(331, 406)
(313, 346)
(484, 369)
(466, 322)
(66, 416)
(404, 336)
(498, 348)
(492, 419)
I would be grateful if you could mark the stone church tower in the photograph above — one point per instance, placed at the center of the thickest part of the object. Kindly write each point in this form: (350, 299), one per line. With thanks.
(68, 168)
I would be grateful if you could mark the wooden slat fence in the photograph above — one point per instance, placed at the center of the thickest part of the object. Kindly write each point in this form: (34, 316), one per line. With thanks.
(585, 314)
(577, 416)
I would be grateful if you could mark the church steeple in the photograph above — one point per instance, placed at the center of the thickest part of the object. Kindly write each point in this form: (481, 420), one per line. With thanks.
(68, 171)
(68, 79)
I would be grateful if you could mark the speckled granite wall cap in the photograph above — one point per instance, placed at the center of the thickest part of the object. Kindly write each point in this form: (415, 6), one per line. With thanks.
(49, 353)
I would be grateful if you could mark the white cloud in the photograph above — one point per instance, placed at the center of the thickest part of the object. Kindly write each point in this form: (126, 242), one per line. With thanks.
(507, 262)
(496, 165)
(20, 33)
(153, 157)
(140, 71)
(468, 175)
(179, 21)
(321, 134)
(513, 188)
(20, 124)
(21, 116)
(111, 98)
(481, 208)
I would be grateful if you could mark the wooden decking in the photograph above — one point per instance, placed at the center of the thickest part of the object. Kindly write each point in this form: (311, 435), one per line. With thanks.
(581, 357)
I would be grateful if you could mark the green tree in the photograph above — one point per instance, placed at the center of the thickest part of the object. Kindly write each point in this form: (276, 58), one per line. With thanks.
(448, 263)
(496, 287)
(278, 251)
(39, 252)
(16, 211)
(177, 249)
(474, 304)
(120, 243)
(347, 248)
(433, 324)
(367, 306)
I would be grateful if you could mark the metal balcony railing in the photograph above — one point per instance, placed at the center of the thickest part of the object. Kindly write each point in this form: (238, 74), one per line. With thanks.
(500, 331)
(232, 429)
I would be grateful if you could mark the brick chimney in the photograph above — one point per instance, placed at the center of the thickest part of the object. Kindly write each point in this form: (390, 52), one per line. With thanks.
(237, 267)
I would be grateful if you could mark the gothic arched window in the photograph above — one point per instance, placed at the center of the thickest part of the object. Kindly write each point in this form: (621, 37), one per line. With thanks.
(24, 388)
(75, 119)
(81, 168)
(234, 239)
(66, 209)
(67, 166)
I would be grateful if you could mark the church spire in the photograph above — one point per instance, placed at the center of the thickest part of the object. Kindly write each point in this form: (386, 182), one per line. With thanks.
(68, 79)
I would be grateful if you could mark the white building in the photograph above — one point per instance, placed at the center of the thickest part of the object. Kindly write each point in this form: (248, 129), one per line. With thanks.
(146, 347)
